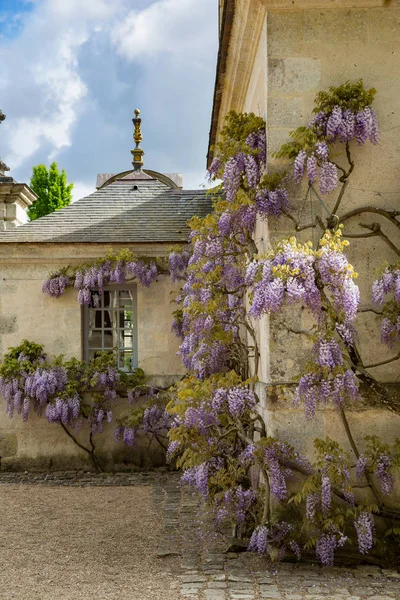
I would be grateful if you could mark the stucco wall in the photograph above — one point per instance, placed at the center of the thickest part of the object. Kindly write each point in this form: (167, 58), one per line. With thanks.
(27, 313)
(298, 48)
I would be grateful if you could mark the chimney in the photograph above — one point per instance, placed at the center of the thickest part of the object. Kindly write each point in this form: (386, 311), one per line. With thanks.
(15, 198)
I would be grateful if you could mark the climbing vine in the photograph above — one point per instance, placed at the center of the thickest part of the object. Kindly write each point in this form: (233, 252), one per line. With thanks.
(218, 435)
(80, 397)
(115, 267)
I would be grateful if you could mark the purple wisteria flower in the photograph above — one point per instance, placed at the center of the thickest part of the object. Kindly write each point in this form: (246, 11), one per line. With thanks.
(326, 546)
(312, 505)
(235, 502)
(328, 177)
(56, 286)
(326, 495)
(214, 168)
(384, 475)
(272, 203)
(364, 527)
(311, 168)
(197, 477)
(299, 166)
(361, 466)
(346, 125)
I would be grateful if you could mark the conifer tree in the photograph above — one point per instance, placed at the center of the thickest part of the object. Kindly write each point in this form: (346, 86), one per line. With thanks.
(51, 188)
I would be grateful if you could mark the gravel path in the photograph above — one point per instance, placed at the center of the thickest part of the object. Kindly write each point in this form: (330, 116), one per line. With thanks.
(79, 536)
(82, 543)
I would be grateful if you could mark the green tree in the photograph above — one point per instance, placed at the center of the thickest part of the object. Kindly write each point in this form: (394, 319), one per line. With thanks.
(52, 190)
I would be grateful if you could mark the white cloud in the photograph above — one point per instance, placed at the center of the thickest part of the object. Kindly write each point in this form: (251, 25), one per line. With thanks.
(176, 27)
(76, 70)
(81, 190)
(45, 57)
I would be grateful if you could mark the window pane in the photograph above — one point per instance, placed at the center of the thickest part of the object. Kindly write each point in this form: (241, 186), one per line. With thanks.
(127, 319)
(125, 360)
(112, 339)
(111, 325)
(126, 340)
(106, 298)
(110, 319)
(95, 338)
(125, 300)
(95, 319)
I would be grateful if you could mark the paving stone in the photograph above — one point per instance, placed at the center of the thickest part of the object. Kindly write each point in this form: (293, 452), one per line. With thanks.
(269, 588)
(361, 591)
(215, 595)
(271, 595)
(215, 585)
(388, 597)
(267, 578)
(293, 597)
(391, 574)
(242, 587)
(193, 586)
(192, 578)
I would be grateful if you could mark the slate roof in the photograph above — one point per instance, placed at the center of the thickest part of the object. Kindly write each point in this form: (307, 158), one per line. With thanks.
(118, 213)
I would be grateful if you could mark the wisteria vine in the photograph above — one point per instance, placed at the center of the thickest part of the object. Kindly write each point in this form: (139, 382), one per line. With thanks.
(58, 390)
(218, 436)
(115, 268)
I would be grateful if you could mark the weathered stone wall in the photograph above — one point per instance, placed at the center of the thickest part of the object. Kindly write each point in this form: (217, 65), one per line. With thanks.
(27, 313)
(281, 54)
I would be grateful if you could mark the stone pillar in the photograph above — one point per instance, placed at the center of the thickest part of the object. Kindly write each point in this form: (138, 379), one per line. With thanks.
(15, 198)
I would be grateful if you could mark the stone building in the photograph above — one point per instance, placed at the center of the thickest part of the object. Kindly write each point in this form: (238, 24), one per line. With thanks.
(139, 209)
(274, 56)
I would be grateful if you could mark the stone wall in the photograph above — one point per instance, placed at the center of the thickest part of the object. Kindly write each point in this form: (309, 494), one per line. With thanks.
(27, 313)
(295, 49)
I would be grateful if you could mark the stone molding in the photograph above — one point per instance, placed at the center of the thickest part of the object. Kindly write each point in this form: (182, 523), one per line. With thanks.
(327, 4)
(14, 199)
(235, 60)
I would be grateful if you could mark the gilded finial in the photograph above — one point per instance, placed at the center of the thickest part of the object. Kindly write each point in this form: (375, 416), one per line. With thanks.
(137, 153)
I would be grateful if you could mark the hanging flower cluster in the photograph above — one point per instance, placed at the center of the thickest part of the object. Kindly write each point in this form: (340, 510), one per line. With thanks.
(275, 535)
(212, 300)
(90, 280)
(211, 305)
(381, 460)
(151, 419)
(322, 280)
(177, 263)
(344, 125)
(341, 115)
(386, 296)
(30, 382)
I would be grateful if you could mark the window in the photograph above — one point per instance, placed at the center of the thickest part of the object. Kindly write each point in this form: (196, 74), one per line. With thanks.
(112, 326)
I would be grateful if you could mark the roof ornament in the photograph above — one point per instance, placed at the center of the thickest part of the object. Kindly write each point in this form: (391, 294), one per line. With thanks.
(137, 153)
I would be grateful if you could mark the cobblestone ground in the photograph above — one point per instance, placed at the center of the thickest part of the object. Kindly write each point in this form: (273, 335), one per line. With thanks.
(196, 565)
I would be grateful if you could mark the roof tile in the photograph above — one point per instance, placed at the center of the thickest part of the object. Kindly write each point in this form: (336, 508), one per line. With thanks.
(146, 211)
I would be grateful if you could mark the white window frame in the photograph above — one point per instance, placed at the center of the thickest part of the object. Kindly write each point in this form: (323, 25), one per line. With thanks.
(87, 327)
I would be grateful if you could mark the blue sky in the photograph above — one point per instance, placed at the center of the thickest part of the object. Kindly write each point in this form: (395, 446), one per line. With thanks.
(73, 71)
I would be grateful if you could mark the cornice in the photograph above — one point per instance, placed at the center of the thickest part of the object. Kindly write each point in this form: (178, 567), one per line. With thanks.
(242, 23)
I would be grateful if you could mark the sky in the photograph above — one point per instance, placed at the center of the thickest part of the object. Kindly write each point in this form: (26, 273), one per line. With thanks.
(73, 71)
